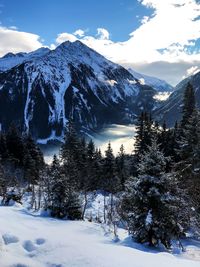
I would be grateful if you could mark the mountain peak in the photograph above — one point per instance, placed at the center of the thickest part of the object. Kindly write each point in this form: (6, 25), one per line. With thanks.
(39, 52)
(9, 55)
(73, 46)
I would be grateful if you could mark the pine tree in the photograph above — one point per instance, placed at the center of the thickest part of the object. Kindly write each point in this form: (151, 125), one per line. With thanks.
(91, 182)
(71, 154)
(121, 167)
(64, 201)
(98, 170)
(109, 171)
(3, 184)
(152, 211)
(188, 167)
(33, 160)
(3, 147)
(15, 146)
(189, 104)
(143, 134)
(111, 182)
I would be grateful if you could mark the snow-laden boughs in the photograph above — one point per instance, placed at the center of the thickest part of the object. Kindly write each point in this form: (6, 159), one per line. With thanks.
(63, 200)
(150, 205)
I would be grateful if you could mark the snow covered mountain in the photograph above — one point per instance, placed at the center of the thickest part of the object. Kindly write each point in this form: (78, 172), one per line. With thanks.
(39, 91)
(11, 60)
(171, 109)
(158, 84)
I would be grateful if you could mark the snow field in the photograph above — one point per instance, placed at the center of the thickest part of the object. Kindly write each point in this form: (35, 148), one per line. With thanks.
(30, 240)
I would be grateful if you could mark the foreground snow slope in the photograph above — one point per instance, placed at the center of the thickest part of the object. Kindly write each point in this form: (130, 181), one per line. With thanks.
(28, 240)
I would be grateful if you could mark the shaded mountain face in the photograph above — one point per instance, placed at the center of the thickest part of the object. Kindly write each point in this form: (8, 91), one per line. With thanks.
(39, 91)
(170, 110)
(158, 84)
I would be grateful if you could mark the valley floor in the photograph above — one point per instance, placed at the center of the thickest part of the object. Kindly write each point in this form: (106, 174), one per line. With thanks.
(30, 240)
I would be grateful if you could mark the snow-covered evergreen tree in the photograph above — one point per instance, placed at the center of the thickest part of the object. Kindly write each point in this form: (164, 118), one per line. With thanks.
(143, 133)
(189, 104)
(71, 154)
(63, 199)
(187, 168)
(121, 166)
(149, 204)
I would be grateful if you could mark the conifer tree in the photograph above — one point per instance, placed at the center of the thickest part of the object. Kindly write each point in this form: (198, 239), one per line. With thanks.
(98, 170)
(143, 134)
(111, 182)
(189, 104)
(3, 184)
(15, 146)
(121, 167)
(33, 160)
(187, 167)
(70, 153)
(3, 147)
(149, 206)
(64, 201)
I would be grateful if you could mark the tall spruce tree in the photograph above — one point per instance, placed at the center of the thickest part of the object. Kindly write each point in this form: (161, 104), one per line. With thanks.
(187, 167)
(121, 167)
(143, 134)
(33, 161)
(3, 147)
(149, 206)
(15, 146)
(189, 104)
(70, 154)
(63, 199)
(111, 182)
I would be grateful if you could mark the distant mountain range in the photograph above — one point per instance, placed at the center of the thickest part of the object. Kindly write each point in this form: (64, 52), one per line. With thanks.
(40, 90)
(158, 84)
(170, 110)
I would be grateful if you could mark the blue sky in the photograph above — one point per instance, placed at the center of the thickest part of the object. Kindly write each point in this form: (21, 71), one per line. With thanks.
(47, 18)
(155, 37)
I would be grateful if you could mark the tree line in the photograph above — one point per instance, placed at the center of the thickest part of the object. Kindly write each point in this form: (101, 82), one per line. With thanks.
(154, 191)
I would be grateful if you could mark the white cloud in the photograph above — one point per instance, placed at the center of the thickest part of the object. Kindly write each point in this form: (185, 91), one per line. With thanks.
(17, 41)
(79, 33)
(171, 29)
(102, 34)
(62, 37)
(144, 19)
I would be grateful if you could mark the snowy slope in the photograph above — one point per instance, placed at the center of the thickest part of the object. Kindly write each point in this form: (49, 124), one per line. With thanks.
(32, 241)
(28, 240)
(158, 84)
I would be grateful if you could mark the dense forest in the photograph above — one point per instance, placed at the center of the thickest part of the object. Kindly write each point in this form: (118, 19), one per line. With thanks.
(154, 192)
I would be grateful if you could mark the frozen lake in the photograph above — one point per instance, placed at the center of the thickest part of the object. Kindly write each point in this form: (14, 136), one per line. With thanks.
(116, 134)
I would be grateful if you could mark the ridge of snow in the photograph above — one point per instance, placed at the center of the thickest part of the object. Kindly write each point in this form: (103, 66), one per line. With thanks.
(11, 60)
